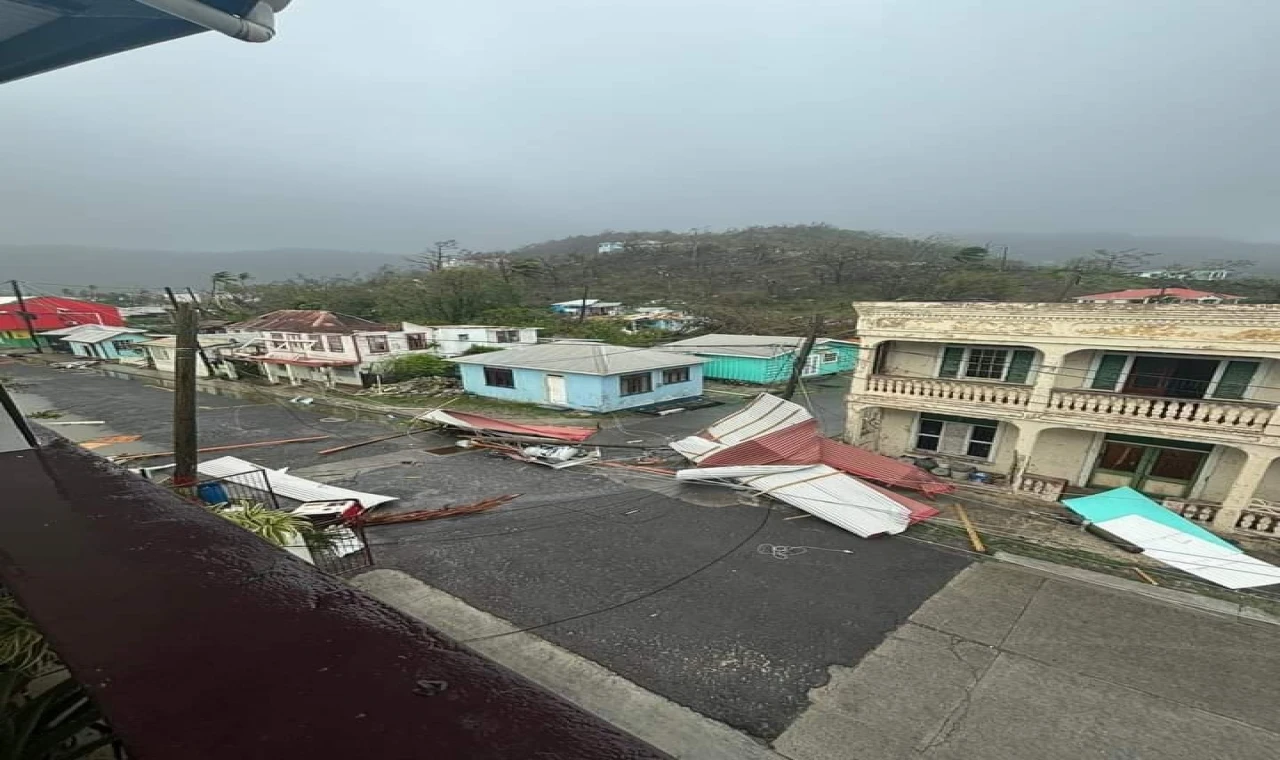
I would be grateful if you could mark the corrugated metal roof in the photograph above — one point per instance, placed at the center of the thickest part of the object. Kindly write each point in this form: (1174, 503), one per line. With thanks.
(827, 493)
(96, 334)
(764, 414)
(1124, 501)
(308, 321)
(244, 472)
(1227, 567)
(752, 346)
(580, 358)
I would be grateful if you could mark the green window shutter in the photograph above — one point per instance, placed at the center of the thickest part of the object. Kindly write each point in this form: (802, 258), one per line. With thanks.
(1108, 374)
(1020, 366)
(951, 358)
(1235, 379)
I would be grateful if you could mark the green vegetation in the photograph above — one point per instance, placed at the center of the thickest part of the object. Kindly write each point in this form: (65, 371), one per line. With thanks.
(409, 366)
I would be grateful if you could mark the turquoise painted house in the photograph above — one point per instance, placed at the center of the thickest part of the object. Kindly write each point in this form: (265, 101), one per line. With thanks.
(586, 375)
(765, 359)
(99, 342)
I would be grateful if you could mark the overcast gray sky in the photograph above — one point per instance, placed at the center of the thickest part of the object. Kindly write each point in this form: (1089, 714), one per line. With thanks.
(381, 125)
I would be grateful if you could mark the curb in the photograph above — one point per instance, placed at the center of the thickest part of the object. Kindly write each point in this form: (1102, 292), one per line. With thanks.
(1220, 607)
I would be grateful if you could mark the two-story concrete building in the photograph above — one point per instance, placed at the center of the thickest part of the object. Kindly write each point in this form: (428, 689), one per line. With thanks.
(1176, 401)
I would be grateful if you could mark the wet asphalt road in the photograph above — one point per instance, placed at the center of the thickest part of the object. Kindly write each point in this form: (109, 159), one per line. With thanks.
(673, 588)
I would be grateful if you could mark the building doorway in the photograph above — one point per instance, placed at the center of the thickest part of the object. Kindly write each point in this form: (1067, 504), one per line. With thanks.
(1154, 466)
(556, 391)
(1170, 376)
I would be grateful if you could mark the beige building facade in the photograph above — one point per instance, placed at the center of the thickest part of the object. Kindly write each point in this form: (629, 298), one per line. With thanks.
(1177, 401)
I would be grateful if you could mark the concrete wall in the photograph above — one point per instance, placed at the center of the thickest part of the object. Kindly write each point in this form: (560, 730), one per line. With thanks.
(1219, 473)
(911, 358)
(594, 393)
(1061, 453)
(1074, 372)
(450, 342)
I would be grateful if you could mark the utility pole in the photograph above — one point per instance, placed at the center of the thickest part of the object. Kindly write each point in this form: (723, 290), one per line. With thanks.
(586, 291)
(173, 300)
(184, 395)
(26, 316)
(797, 369)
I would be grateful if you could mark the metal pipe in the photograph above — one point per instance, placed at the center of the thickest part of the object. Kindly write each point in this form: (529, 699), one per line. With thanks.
(258, 25)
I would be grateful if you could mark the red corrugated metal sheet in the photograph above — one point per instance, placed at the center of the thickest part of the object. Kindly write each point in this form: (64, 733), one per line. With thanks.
(919, 510)
(803, 444)
(491, 425)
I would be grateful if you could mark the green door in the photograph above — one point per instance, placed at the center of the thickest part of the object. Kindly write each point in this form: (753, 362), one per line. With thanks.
(1156, 469)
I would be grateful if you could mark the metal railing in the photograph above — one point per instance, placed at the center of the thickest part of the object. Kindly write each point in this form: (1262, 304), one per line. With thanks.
(939, 389)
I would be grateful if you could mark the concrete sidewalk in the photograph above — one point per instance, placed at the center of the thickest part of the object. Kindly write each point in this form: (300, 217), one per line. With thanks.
(1009, 664)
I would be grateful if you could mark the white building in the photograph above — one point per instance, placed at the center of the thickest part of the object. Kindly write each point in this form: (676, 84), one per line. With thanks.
(1177, 401)
(455, 340)
(161, 353)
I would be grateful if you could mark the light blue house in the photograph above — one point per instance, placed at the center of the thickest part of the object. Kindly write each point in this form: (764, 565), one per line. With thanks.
(765, 359)
(587, 375)
(101, 342)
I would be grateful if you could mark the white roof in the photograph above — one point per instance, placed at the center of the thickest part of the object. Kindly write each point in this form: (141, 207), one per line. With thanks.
(578, 302)
(245, 473)
(581, 358)
(1231, 568)
(765, 414)
(94, 333)
(823, 492)
(756, 346)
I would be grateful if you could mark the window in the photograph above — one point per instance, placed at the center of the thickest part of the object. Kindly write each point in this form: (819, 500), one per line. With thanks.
(675, 375)
(416, 341)
(984, 363)
(507, 336)
(499, 377)
(160, 354)
(463, 336)
(830, 357)
(378, 344)
(122, 346)
(277, 336)
(314, 340)
(632, 385)
(334, 342)
(957, 436)
(1172, 376)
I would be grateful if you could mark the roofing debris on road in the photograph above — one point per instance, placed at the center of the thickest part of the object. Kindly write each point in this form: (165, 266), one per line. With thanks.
(772, 446)
(437, 514)
(250, 475)
(1164, 536)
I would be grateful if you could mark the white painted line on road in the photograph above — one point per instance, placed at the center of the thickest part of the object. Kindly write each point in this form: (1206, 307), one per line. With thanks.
(670, 727)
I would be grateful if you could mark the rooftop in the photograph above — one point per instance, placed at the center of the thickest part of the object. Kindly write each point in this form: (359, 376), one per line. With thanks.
(92, 333)
(581, 358)
(1134, 294)
(308, 321)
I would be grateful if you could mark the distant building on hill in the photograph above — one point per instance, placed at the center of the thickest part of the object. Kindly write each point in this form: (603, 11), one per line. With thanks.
(1160, 295)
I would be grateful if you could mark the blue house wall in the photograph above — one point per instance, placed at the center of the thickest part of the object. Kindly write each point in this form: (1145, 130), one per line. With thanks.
(592, 393)
(107, 349)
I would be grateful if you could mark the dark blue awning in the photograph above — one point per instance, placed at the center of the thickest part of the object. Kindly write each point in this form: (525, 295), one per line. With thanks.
(42, 35)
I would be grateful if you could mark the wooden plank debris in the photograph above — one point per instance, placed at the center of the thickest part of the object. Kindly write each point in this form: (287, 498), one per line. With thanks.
(437, 514)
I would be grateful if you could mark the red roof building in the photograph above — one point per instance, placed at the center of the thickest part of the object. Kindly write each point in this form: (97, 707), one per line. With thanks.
(1160, 295)
(51, 313)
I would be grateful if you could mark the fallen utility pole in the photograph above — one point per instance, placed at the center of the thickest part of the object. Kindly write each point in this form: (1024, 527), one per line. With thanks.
(228, 447)
(357, 444)
(26, 316)
(797, 369)
(186, 324)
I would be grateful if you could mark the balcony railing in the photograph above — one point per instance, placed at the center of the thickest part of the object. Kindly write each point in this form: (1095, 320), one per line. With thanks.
(968, 391)
(1203, 413)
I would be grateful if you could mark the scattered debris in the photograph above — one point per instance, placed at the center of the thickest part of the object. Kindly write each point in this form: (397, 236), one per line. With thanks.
(110, 440)
(974, 538)
(230, 447)
(478, 423)
(45, 414)
(438, 514)
(417, 386)
(74, 365)
(250, 475)
(357, 444)
(1162, 535)
(1145, 576)
(70, 422)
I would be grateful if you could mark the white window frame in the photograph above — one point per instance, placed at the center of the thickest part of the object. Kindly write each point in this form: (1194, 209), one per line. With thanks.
(968, 351)
(830, 357)
(996, 441)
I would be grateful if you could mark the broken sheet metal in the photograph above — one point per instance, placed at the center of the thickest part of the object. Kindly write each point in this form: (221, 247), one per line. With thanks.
(771, 430)
(1132, 516)
(478, 423)
(246, 473)
(1231, 568)
(822, 491)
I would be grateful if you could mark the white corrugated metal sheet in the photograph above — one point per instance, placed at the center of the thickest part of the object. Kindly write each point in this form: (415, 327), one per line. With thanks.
(581, 358)
(765, 414)
(284, 484)
(743, 471)
(694, 448)
(1213, 562)
(821, 491)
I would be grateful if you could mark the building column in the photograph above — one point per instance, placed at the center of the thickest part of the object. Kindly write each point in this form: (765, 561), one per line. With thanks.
(267, 372)
(866, 361)
(1243, 488)
(1028, 435)
(1046, 377)
(288, 372)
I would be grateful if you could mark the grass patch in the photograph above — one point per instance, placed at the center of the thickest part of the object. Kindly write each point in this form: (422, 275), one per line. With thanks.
(45, 414)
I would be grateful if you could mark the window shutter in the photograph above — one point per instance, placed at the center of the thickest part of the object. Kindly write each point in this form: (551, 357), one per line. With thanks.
(954, 438)
(1020, 366)
(1235, 379)
(1108, 374)
(952, 356)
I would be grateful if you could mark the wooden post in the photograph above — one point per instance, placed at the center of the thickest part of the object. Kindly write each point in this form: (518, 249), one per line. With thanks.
(26, 316)
(797, 369)
(186, 323)
(969, 528)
